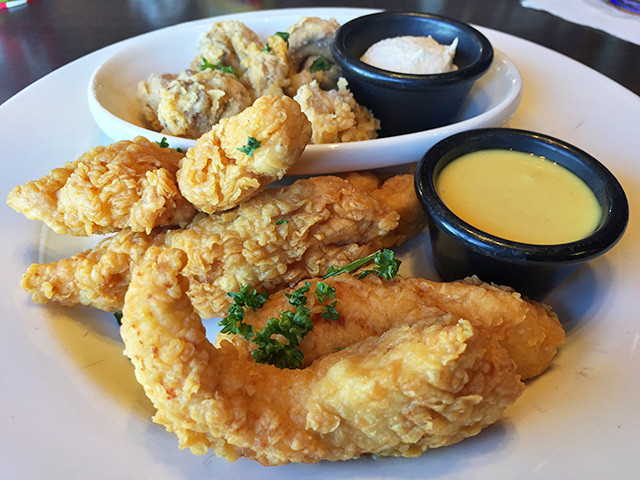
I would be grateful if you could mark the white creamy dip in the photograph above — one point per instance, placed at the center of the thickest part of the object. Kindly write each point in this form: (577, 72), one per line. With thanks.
(410, 54)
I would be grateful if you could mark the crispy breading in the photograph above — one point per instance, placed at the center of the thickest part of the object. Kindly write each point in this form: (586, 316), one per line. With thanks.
(189, 104)
(528, 330)
(215, 175)
(125, 185)
(98, 277)
(264, 70)
(273, 240)
(335, 115)
(266, 67)
(289, 233)
(411, 389)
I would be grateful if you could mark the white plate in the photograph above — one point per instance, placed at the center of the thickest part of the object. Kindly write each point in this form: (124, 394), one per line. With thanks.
(71, 408)
(112, 96)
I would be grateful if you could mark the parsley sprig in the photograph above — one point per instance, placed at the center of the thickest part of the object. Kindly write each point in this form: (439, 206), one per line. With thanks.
(206, 64)
(320, 64)
(386, 266)
(277, 343)
(284, 36)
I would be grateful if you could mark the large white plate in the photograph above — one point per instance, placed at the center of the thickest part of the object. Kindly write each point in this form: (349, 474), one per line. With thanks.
(113, 102)
(71, 408)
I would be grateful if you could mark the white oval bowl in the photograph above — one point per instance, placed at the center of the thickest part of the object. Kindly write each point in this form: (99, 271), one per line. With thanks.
(116, 109)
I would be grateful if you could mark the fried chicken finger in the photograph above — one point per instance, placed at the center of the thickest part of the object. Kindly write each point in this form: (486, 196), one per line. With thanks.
(411, 389)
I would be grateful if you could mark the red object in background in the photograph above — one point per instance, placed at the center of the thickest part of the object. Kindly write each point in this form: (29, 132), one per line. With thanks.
(13, 3)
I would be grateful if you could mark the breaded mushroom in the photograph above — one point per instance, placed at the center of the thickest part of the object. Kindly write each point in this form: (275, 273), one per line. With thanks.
(189, 104)
(335, 115)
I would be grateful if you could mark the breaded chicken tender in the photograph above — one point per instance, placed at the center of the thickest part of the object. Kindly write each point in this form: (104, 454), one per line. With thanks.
(271, 241)
(529, 331)
(335, 115)
(411, 389)
(98, 277)
(216, 175)
(125, 185)
(289, 233)
(189, 104)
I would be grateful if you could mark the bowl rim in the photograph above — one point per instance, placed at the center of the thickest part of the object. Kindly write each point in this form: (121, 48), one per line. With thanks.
(602, 239)
(380, 76)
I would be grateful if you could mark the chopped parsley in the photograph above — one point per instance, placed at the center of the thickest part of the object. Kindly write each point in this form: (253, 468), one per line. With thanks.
(281, 221)
(118, 316)
(251, 146)
(164, 144)
(277, 343)
(284, 36)
(320, 64)
(216, 66)
(267, 48)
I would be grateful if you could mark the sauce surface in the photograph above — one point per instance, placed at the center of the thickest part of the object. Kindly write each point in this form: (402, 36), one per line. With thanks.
(411, 54)
(519, 196)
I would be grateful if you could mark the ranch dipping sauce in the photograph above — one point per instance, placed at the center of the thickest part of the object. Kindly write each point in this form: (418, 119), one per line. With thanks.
(410, 54)
(519, 196)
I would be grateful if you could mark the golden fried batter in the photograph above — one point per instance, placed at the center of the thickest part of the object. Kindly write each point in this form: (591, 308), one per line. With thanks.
(411, 389)
(529, 331)
(189, 104)
(335, 116)
(128, 184)
(98, 277)
(273, 240)
(215, 175)
(289, 233)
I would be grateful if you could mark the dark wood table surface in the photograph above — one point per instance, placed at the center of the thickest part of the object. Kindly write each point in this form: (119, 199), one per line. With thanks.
(43, 35)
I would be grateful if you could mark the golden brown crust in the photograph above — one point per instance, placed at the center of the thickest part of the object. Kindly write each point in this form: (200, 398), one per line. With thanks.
(411, 389)
(270, 241)
(125, 185)
(528, 330)
(215, 175)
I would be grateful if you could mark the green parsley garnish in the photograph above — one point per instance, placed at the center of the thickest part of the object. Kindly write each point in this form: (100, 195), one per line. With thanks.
(281, 221)
(320, 64)
(251, 146)
(284, 36)
(386, 266)
(277, 343)
(118, 316)
(234, 321)
(164, 144)
(217, 66)
(267, 48)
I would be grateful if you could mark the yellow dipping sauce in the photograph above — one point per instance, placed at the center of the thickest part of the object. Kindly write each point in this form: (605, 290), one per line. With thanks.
(519, 196)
